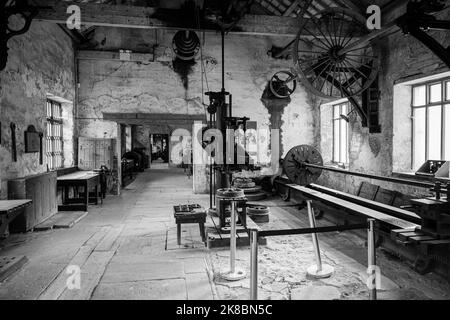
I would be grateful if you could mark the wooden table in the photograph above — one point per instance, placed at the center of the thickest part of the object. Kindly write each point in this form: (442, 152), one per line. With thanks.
(88, 180)
(9, 210)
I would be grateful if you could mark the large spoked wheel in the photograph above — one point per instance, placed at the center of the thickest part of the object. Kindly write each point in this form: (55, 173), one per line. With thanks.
(320, 56)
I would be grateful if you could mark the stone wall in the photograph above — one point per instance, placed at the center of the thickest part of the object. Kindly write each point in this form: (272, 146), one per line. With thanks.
(161, 87)
(403, 58)
(40, 62)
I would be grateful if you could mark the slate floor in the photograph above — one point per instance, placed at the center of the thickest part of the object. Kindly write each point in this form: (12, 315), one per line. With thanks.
(125, 249)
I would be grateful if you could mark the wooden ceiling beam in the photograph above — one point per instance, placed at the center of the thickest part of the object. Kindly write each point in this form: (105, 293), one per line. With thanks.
(93, 14)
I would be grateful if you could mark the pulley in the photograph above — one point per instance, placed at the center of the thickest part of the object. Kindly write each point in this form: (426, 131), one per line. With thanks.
(296, 161)
(328, 61)
(303, 165)
(231, 193)
(186, 45)
(283, 84)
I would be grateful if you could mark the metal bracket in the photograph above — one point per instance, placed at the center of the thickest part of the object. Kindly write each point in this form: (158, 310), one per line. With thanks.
(20, 8)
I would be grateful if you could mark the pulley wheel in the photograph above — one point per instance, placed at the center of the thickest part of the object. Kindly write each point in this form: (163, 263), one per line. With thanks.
(324, 60)
(244, 183)
(232, 193)
(260, 210)
(186, 45)
(283, 84)
(295, 165)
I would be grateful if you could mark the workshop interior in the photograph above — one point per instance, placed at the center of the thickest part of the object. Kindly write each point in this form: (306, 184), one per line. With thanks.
(225, 150)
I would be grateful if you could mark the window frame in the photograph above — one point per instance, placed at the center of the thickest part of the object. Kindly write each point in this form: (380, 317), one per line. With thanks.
(339, 121)
(53, 122)
(445, 100)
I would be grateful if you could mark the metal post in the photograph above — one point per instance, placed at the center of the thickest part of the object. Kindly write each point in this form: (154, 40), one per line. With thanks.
(372, 259)
(253, 265)
(233, 274)
(315, 238)
(233, 238)
(318, 270)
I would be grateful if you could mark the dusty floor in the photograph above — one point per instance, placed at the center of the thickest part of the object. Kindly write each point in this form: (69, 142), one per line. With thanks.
(126, 249)
(284, 260)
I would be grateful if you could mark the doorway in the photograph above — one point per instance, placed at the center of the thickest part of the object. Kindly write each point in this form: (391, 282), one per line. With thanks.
(160, 148)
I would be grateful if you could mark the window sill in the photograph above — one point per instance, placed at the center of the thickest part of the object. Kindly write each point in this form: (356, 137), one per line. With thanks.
(413, 176)
(342, 166)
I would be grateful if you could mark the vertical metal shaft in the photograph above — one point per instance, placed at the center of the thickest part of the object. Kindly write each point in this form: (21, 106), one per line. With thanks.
(223, 60)
(233, 238)
(210, 171)
(372, 259)
(315, 239)
(253, 265)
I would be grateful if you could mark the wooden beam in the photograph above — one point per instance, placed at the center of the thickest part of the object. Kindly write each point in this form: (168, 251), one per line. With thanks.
(114, 56)
(153, 118)
(93, 14)
(350, 5)
(291, 8)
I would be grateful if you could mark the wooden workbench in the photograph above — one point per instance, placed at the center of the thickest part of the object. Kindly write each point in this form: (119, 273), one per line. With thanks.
(88, 180)
(9, 210)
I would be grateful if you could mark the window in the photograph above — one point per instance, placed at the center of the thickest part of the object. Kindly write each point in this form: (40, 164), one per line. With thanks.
(431, 122)
(54, 137)
(340, 133)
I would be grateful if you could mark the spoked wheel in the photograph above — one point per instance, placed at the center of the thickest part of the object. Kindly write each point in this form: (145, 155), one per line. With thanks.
(283, 84)
(322, 57)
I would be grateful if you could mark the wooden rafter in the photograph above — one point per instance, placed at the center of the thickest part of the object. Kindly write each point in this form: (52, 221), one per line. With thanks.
(154, 18)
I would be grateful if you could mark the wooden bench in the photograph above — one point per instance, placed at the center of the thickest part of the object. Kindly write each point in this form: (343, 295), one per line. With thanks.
(351, 207)
(9, 210)
(374, 192)
(372, 204)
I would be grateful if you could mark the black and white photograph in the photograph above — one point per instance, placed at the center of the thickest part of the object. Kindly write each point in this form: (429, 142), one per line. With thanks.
(228, 157)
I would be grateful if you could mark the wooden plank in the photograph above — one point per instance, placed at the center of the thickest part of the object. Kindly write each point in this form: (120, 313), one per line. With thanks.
(352, 207)
(406, 235)
(113, 56)
(421, 238)
(7, 205)
(397, 212)
(80, 175)
(291, 8)
(10, 265)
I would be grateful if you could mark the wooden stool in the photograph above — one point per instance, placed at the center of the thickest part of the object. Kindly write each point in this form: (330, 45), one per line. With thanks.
(185, 217)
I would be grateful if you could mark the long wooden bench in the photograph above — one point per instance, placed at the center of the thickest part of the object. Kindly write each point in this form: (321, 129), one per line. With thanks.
(372, 204)
(352, 207)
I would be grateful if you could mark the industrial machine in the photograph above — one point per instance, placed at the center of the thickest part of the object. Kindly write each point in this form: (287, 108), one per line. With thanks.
(423, 229)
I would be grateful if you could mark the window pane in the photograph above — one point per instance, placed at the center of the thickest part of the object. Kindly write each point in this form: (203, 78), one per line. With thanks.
(419, 96)
(336, 112)
(434, 133)
(436, 93)
(344, 109)
(419, 138)
(336, 151)
(343, 142)
(447, 133)
(448, 91)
